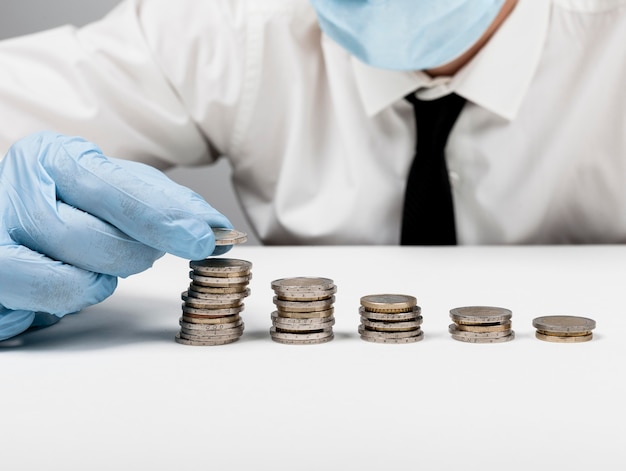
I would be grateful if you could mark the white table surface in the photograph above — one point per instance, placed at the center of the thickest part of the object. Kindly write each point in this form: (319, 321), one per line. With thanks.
(110, 389)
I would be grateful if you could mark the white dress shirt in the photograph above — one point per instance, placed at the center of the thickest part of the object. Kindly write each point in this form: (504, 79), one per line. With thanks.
(320, 143)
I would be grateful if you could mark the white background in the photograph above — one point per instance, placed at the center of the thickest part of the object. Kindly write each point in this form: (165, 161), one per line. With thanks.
(110, 389)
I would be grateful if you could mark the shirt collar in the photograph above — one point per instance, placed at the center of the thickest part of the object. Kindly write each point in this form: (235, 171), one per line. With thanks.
(496, 79)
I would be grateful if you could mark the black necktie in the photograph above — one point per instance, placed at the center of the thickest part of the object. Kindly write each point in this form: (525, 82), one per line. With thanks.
(428, 217)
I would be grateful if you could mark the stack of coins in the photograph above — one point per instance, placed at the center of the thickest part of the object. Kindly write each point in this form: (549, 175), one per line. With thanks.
(390, 318)
(564, 329)
(481, 324)
(214, 299)
(304, 310)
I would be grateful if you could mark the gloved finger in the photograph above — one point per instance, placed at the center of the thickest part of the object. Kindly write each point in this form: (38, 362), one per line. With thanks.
(30, 281)
(80, 239)
(161, 214)
(13, 323)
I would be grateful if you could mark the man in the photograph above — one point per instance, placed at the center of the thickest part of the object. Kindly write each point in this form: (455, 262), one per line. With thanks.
(316, 126)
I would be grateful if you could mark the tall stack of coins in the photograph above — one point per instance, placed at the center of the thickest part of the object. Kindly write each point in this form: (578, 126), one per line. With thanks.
(481, 324)
(390, 318)
(564, 329)
(304, 310)
(214, 299)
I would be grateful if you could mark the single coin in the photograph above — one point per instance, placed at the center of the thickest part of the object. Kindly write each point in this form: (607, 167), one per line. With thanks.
(391, 317)
(303, 283)
(484, 327)
(389, 303)
(305, 315)
(309, 320)
(219, 282)
(381, 326)
(564, 334)
(216, 303)
(480, 315)
(452, 328)
(225, 236)
(221, 267)
(564, 339)
(300, 296)
(507, 338)
(209, 320)
(303, 342)
(192, 311)
(205, 342)
(241, 288)
(197, 335)
(304, 306)
(394, 341)
(365, 332)
(564, 324)
(211, 327)
(221, 297)
(304, 327)
(304, 336)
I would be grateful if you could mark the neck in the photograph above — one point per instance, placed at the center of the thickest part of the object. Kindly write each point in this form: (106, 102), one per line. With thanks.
(453, 67)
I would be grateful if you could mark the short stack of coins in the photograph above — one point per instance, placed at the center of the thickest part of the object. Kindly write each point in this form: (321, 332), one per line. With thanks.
(481, 324)
(304, 310)
(390, 318)
(214, 299)
(564, 329)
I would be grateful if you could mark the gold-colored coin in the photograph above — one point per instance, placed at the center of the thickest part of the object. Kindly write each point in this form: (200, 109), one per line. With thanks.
(210, 320)
(306, 315)
(563, 339)
(564, 334)
(478, 315)
(388, 303)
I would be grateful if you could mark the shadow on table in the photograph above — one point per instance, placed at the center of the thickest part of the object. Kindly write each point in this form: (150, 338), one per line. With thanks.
(121, 320)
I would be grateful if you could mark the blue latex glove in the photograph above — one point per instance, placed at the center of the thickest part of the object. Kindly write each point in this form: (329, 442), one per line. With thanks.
(406, 34)
(73, 220)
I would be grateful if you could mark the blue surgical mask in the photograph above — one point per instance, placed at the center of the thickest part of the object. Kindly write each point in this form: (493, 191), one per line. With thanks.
(406, 34)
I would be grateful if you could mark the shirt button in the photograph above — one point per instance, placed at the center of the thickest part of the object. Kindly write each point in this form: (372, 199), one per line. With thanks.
(454, 178)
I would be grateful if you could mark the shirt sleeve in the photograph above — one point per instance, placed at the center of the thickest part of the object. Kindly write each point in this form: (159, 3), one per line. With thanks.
(154, 81)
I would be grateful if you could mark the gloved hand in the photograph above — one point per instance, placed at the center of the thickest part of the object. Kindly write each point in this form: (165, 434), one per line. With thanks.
(73, 220)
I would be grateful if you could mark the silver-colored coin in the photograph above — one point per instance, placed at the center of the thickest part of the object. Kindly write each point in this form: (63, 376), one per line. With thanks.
(414, 339)
(301, 296)
(558, 324)
(452, 328)
(302, 283)
(507, 338)
(564, 339)
(210, 334)
(302, 324)
(221, 267)
(303, 342)
(228, 236)
(306, 315)
(211, 327)
(304, 336)
(217, 297)
(304, 306)
(484, 327)
(192, 311)
(415, 313)
(204, 342)
(216, 303)
(382, 326)
(388, 335)
(480, 315)
(300, 328)
(210, 320)
(219, 282)
(241, 288)
(389, 303)
(301, 321)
